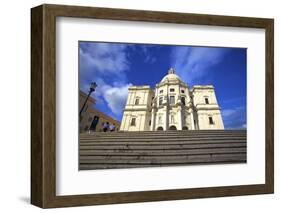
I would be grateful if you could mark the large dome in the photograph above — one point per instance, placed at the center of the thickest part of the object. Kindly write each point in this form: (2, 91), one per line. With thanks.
(171, 76)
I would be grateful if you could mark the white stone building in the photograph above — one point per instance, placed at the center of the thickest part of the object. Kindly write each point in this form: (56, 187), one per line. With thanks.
(171, 106)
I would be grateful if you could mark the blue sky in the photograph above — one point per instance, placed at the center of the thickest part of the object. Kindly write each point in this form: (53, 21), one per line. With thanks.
(116, 66)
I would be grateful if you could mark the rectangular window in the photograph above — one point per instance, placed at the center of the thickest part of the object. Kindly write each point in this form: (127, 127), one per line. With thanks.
(172, 99)
(211, 121)
(172, 90)
(137, 101)
(133, 122)
(206, 101)
(161, 91)
(160, 101)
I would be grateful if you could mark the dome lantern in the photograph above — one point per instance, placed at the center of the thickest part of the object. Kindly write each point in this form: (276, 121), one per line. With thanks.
(171, 76)
(171, 71)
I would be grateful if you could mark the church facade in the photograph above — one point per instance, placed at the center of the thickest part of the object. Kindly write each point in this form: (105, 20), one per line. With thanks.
(172, 105)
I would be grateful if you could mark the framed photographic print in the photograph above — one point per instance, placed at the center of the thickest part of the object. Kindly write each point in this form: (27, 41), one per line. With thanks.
(136, 106)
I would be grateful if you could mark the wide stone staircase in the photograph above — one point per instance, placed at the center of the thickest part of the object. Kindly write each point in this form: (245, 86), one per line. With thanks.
(111, 150)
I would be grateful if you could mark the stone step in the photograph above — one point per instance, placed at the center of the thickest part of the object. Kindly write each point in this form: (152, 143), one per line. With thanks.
(114, 153)
(98, 159)
(170, 148)
(195, 132)
(170, 160)
(131, 166)
(159, 147)
(162, 136)
(173, 131)
(161, 141)
(166, 142)
(165, 139)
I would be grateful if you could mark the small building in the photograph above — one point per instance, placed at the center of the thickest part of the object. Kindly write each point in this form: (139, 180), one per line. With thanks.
(91, 118)
(97, 119)
(85, 115)
(172, 105)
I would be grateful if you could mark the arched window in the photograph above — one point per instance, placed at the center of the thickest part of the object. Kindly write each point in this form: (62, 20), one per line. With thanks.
(160, 128)
(185, 128)
(173, 128)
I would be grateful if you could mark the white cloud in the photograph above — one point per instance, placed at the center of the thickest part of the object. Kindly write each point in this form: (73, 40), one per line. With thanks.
(193, 62)
(234, 118)
(116, 97)
(106, 64)
(102, 59)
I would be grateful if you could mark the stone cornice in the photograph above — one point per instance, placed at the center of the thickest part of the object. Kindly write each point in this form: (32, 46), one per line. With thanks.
(145, 87)
(171, 83)
(202, 87)
(141, 109)
(207, 107)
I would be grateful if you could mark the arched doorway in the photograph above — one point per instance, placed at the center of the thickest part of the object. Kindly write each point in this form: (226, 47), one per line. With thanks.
(173, 128)
(160, 128)
(185, 128)
(94, 123)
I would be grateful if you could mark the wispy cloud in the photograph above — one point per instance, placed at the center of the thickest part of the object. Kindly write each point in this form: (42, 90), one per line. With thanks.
(234, 100)
(145, 49)
(234, 118)
(192, 63)
(106, 64)
(149, 59)
(102, 59)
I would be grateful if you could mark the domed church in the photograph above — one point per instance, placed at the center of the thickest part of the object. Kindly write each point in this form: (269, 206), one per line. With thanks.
(171, 106)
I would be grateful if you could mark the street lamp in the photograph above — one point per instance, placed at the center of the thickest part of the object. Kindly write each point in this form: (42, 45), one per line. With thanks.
(92, 88)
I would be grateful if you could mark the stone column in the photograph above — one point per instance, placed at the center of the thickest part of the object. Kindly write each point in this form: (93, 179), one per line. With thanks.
(140, 127)
(152, 119)
(180, 118)
(192, 119)
(166, 118)
(123, 122)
